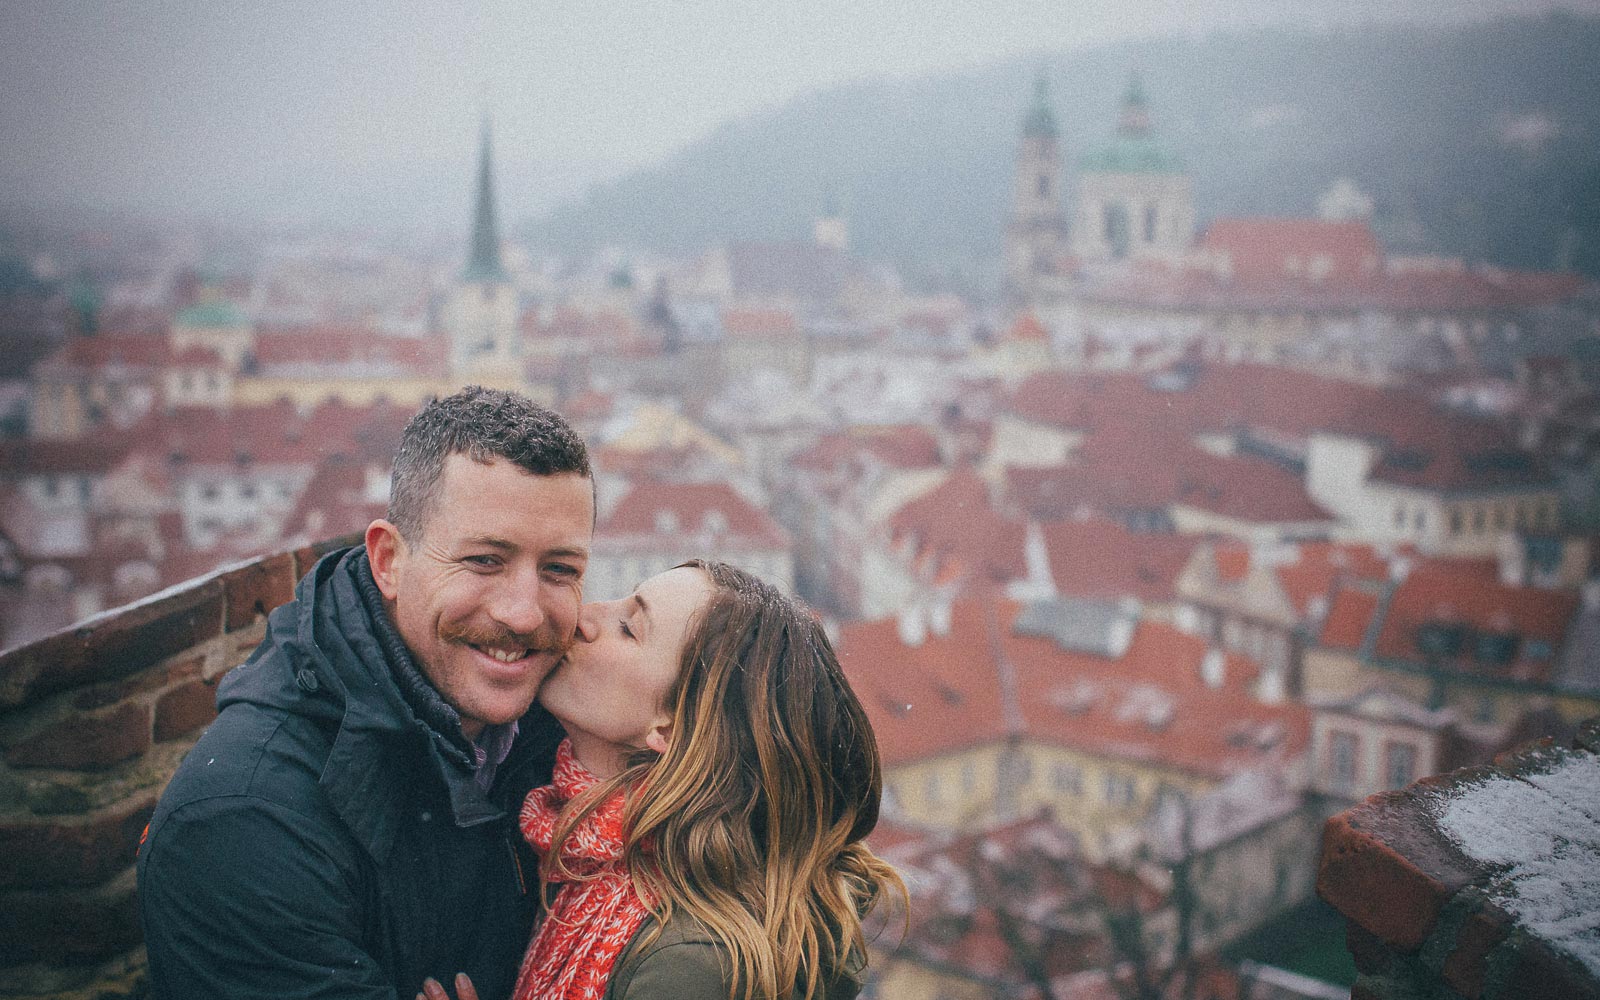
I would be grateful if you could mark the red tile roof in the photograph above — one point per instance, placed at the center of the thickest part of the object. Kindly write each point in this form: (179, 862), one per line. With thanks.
(1273, 249)
(1101, 559)
(135, 349)
(955, 521)
(937, 698)
(899, 446)
(1319, 565)
(1430, 594)
(760, 324)
(1349, 614)
(276, 433)
(653, 509)
(338, 347)
(1151, 705)
(1474, 605)
(1027, 328)
(1142, 467)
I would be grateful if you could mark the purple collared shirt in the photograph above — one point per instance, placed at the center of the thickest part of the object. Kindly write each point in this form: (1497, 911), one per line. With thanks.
(489, 750)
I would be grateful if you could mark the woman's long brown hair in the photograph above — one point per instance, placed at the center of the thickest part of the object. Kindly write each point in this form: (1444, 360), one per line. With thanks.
(753, 821)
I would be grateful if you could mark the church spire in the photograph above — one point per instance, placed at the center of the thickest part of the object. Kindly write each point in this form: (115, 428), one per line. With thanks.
(484, 262)
(1040, 122)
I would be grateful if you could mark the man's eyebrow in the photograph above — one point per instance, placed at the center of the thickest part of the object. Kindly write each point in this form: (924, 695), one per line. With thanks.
(492, 541)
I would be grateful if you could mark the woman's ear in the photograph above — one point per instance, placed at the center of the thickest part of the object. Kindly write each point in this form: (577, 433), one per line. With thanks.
(659, 737)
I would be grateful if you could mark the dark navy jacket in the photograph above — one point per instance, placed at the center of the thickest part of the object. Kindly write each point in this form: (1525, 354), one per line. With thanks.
(324, 838)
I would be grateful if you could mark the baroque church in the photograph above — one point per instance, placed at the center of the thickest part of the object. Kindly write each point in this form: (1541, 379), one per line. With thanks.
(1132, 201)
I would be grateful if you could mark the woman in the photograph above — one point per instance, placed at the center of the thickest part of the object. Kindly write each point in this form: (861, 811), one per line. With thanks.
(706, 819)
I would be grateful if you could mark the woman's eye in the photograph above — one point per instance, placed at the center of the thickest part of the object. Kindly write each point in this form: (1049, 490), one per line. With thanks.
(627, 629)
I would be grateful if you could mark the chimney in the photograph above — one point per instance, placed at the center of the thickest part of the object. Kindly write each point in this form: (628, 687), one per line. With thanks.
(912, 624)
(939, 614)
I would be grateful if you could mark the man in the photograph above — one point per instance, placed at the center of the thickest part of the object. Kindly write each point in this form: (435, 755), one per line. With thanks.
(346, 826)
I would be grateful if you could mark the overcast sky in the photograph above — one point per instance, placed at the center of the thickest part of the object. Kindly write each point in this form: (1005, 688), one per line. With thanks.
(359, 111)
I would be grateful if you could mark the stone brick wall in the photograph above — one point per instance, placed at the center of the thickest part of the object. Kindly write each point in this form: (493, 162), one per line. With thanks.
(93, 721)
(1481, 884)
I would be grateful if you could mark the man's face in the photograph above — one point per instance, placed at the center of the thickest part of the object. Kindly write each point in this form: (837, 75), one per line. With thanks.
(487, 598)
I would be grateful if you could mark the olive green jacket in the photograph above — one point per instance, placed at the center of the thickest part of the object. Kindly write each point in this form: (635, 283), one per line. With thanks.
(685, 962)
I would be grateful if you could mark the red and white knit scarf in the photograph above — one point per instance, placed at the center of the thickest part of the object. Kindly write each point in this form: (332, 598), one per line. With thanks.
(593, 918)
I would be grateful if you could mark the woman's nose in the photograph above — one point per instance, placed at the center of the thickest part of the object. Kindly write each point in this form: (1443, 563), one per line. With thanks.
(589, 618)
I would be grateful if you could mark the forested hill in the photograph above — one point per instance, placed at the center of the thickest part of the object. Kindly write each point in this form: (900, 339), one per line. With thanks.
(1480, 140)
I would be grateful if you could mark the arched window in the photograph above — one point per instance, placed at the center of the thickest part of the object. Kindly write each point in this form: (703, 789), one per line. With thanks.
(1116, 229)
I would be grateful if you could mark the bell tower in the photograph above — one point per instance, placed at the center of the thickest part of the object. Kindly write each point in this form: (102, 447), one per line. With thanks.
(480, 313)
(1036, 234)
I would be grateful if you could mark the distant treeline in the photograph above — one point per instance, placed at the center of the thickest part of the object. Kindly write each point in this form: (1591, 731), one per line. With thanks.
(1481, 141)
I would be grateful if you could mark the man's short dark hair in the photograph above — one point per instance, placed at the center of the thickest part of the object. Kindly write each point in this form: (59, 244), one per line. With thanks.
(483, 424)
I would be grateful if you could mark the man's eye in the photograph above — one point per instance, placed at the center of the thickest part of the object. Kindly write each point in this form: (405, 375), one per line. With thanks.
(563, 570)
(483, 562)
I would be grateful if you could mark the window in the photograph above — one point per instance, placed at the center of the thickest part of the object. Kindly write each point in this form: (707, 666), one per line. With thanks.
(1399, 515)
(1342, 758)
(1455, 521)
(1044, 186)
(931, 790)
(969, 778)
(1399, 765)
(1066, 779)
(1119, 790)
(209, 491)
(1150, 224)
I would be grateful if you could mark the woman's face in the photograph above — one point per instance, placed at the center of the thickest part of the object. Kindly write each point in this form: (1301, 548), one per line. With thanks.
(610, 690)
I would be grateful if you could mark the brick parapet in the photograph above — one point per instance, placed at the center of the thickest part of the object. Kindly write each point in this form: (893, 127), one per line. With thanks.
(1426, 920)
(93, 721)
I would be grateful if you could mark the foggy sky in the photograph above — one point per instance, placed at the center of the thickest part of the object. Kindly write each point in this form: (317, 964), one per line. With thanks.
(366, 112)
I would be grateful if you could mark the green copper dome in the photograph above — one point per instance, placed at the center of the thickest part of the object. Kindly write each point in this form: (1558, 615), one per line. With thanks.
(211, 315)
(1134, 150)
(1132, 155)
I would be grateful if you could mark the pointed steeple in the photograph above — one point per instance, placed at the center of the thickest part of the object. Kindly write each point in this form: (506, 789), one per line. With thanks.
(1135, 110)
(1040, 122)
(484, 264)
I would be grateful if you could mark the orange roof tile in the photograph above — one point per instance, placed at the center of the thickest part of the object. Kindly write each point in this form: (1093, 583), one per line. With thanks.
(653, 509)
(955, 520)
(1151, 705)
(1102, 559)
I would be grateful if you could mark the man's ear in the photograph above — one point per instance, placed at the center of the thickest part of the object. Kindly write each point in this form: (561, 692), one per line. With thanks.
(659, 737)
(384, 547)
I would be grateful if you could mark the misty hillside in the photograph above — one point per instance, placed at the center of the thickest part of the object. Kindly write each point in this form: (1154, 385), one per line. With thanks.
(1481, 140)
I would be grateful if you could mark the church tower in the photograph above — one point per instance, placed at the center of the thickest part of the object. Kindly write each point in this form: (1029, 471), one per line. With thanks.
(1036, 235)
(480, 313)
(831, 229)
(1135, 199)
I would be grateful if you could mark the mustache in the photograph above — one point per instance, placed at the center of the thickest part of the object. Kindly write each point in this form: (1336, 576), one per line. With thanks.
(540, 641)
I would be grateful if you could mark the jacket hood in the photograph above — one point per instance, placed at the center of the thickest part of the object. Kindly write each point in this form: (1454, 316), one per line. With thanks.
(322, 657)
(333, 656)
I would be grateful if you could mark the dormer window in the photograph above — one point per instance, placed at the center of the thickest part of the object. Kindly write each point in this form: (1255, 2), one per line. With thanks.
(716, 522)
(666, 522)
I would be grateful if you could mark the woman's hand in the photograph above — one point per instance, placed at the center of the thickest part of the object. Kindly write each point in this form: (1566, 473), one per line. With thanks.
(431, 990)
